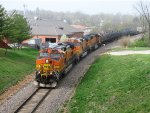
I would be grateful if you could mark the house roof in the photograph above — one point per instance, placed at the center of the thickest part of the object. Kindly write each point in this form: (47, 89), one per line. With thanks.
(4, 45)
(48, 27)
(41, 30)
(79, 27)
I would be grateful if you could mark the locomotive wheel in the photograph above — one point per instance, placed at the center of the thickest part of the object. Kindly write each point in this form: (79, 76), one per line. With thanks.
(76, 61)
(37, 84)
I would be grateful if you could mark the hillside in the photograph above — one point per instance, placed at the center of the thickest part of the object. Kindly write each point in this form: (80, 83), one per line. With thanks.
(114, 84)
(15, 65)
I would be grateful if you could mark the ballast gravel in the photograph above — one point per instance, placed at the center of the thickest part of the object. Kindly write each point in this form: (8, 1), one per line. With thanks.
(17, 99)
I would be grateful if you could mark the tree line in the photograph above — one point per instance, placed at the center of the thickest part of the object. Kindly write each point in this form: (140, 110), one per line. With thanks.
(100, 22)
(143, 8)
(13, 26)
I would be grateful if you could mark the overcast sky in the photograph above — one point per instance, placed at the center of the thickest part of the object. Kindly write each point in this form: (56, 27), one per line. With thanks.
(84, 6)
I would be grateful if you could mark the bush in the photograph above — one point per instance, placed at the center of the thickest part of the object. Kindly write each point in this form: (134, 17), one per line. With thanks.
(144, 42)
(125, 42)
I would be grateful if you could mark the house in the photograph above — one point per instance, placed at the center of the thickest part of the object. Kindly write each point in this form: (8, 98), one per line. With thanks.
(4, 45)
(85, 29)
(51, 31)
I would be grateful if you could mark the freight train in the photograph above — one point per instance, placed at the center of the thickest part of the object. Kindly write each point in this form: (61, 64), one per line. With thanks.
(55, 61)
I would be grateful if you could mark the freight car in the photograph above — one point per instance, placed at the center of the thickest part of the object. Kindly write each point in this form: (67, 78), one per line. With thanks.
(115, 35)
(55, 61)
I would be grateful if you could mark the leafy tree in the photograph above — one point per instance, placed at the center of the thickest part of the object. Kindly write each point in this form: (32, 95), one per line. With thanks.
(2, 21)
(21, 28)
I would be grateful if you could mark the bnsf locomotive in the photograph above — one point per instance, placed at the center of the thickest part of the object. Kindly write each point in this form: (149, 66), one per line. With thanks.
(55, 61)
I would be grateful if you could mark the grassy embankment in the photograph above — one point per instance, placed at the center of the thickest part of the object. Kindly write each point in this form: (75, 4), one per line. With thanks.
(114, 84)
(15, 65)
(141, 44)
(144, 42)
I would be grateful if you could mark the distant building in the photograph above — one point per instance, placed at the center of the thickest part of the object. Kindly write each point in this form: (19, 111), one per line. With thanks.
(85, 29)
(51, 31)
(140, 29)
(4, 45)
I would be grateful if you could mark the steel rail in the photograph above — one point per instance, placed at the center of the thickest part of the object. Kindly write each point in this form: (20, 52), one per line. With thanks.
(28, 99)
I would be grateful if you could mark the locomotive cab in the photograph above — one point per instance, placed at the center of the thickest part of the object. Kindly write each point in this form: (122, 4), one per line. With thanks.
(79, 46)
(48, 67)
(92, 41)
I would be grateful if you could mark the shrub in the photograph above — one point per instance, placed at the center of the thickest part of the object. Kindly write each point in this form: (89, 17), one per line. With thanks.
(125, 42)
(144, 42)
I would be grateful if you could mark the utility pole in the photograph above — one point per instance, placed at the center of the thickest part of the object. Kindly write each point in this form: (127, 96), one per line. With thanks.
(24, 10)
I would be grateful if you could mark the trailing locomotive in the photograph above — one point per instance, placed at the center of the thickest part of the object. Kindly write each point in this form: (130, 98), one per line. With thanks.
(55, 61)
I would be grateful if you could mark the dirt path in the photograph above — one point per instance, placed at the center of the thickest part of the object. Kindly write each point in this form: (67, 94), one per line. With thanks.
(129, 52)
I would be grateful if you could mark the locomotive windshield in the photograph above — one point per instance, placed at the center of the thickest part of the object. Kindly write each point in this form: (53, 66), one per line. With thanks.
(55, 56)
(77, 44)
(43, 54)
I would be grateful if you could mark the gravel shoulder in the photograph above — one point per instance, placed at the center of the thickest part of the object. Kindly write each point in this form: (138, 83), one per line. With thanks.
(64, 90)
(14, 89)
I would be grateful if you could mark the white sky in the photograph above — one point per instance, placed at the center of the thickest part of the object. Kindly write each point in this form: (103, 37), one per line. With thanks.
(85, 6)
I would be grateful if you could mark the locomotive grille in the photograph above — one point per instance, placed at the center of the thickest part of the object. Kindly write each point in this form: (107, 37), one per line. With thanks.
(46, 67)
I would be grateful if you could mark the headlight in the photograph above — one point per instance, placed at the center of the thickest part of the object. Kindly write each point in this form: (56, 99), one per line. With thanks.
(46, 61)
(38, 72)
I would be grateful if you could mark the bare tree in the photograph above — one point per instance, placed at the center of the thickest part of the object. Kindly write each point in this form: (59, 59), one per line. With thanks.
(143, 9)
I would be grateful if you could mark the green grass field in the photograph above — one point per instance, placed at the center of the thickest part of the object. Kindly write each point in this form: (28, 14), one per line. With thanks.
(141, 43)
(15, 65)
(114, 84)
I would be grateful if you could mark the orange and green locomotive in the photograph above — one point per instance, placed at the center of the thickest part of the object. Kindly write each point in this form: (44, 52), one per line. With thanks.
(54, 62)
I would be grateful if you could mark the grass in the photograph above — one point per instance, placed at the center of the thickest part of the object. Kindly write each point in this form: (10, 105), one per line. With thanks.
(141, 43)
(114, 84)
(15, 65)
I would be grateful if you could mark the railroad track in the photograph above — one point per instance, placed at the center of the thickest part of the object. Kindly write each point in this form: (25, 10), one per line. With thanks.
(34, 101)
